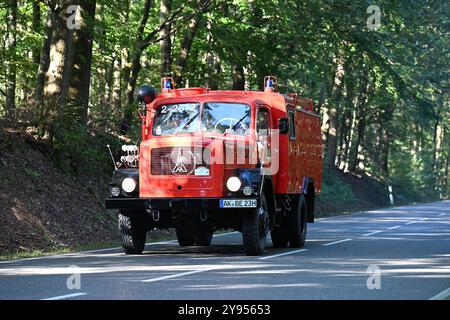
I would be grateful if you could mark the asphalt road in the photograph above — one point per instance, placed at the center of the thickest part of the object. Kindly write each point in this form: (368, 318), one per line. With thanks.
(402, 253)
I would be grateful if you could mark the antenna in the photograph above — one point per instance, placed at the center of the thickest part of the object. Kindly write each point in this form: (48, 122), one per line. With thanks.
(112, 157)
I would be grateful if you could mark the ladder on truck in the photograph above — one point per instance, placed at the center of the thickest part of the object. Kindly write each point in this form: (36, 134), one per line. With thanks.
(271, 85)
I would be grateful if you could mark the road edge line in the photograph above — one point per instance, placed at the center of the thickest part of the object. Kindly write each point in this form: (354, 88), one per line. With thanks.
(441, 295)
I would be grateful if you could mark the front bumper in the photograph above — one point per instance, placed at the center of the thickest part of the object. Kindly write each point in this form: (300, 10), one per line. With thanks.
(167, 203)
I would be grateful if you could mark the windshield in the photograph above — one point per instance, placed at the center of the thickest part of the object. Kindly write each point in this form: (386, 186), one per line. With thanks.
(221, 117)
(216, 117)
(176, 118)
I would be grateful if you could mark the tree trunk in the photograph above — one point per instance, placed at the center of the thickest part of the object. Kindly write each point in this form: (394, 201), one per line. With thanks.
(117, 88)
(11, 66)
(55, 71)
(438, 137)
(355, 150)
(334, 110)
(44, 63)
(185, 48)
(36, 24)
(445, 185)
(80, 75)
(384, 153)
(238, 77)
(165, 43)
(135, 68)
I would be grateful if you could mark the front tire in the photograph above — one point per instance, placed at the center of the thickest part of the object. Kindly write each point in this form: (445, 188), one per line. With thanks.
(297, 226)
(132, 234)
(255, 226)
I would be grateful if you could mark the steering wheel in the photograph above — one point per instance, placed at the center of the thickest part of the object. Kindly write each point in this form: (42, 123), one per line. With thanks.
(224, 119)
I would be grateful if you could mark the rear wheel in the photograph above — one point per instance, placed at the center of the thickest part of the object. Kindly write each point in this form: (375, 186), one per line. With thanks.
(279, 236)
(255, 226)
(132, 233)
(185, 239)
(203, 238)
(297, 224)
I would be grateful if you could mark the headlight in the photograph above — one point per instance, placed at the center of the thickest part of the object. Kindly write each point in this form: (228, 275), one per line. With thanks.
(128, 185)
(234, 184)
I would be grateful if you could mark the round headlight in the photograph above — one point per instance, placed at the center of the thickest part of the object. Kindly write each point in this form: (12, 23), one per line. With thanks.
(234, 184)
(128, 185)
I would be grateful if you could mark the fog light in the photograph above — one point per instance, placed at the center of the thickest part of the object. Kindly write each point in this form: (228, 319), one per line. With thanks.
(115, 191)
(128, 185)
(234, 184)
(247, 190)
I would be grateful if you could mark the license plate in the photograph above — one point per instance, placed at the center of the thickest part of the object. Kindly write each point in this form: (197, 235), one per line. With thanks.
(238, 203)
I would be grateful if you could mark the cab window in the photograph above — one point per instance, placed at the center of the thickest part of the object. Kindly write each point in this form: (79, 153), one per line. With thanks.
(262, 123)
(292, 127)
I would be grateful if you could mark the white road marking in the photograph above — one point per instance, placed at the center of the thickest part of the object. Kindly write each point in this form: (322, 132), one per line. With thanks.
(157, 243)
(177, 275)
(394, 227)
(282, 254)
(336, 242)
(225, 234)
(411, 222)
(102, 250)
(372, 233)
(66, 296)
(442, 214)
(423, 219)
(442, 295)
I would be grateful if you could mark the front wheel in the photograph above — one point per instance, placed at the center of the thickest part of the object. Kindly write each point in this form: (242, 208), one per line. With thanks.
(255, 226)
(132, 234)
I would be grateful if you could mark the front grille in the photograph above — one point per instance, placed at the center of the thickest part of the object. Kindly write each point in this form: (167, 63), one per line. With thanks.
(178, 160)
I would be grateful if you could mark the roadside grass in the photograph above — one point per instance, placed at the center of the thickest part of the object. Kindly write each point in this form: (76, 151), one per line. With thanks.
(17, 255)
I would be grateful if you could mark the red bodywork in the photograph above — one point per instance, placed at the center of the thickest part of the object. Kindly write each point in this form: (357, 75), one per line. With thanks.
(300, 158)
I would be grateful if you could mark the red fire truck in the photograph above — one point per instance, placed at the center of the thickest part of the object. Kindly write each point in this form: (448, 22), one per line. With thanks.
(209, 160)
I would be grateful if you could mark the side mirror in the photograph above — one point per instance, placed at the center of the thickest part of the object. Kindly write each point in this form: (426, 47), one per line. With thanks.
(283, 125)
(146, 94)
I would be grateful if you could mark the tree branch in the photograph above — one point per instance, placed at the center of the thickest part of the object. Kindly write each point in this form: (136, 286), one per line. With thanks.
(204, 5)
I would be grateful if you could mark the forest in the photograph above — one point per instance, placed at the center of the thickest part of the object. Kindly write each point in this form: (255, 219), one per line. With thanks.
(378, 72)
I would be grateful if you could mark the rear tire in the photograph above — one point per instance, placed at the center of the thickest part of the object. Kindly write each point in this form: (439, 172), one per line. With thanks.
(297, 224)
(203, 238)
(255, 226)
(184, 238)
(279, 236)
(132, 233)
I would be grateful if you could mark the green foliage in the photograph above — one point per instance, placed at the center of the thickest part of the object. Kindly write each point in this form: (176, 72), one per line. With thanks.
(77, 149)
(395, 78)
(335, 190)
(32, 173)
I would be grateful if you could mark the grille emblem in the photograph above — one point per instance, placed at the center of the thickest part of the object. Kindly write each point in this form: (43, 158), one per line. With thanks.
(181, 162)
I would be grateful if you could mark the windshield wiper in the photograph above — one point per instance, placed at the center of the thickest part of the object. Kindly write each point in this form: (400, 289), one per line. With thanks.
(240, 120)
(189, 122)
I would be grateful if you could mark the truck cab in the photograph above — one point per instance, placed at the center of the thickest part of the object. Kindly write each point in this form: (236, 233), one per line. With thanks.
(212, 160)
